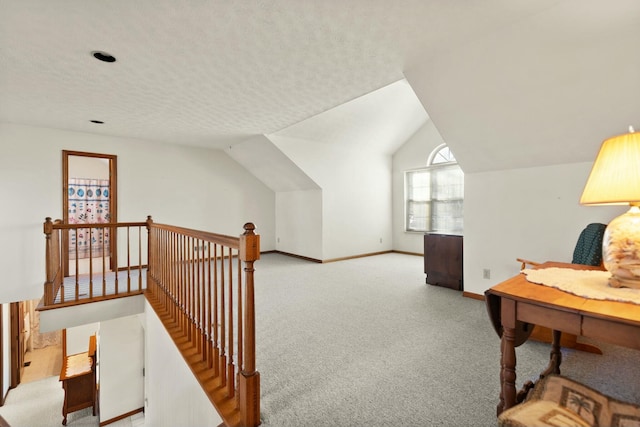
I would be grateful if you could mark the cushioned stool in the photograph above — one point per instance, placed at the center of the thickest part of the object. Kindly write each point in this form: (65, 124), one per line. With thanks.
(559, 401)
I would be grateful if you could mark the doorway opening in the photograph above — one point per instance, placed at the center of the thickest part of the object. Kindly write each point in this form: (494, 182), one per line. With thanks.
(42, 351)
(89, 195)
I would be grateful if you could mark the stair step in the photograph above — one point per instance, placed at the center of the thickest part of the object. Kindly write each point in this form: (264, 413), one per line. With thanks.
(211, 384)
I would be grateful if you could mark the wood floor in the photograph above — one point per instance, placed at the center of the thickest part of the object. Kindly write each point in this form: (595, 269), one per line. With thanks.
(42, 363)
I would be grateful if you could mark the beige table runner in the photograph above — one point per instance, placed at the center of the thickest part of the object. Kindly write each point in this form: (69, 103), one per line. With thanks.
(591, 284)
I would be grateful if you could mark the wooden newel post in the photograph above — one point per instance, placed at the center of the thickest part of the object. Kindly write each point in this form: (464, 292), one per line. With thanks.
(249, 378)
(48, 284)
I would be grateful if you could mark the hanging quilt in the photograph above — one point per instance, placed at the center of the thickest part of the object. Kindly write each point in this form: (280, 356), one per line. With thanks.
(88, 204)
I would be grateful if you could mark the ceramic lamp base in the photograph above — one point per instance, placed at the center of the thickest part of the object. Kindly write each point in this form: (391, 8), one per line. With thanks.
(621, 249)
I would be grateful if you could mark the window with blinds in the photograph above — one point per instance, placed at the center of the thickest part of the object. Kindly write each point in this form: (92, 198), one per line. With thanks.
(434, 195)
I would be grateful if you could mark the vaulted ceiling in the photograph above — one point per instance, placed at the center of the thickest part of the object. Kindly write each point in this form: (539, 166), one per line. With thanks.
(508, 83)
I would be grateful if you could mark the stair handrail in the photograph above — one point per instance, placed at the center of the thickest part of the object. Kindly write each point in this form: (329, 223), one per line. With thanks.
(187, 286)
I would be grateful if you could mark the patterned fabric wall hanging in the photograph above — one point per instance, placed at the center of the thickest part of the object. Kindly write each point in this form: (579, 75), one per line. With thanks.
(88, 204)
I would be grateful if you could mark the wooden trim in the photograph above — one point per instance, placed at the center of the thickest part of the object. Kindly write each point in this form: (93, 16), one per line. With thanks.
(121, 417)
(113, 201)
(472, 295)
(356, 256)
(343, 258)
(64, 343)
(221, 239)
(89, 300)
(319, 261)
(3, 422)
(15, 337)
(407, 253)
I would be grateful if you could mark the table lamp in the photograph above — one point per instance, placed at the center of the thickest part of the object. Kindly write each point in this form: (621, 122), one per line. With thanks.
(615, 180)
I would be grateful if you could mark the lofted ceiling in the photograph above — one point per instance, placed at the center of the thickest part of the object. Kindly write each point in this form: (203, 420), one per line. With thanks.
(506, 82)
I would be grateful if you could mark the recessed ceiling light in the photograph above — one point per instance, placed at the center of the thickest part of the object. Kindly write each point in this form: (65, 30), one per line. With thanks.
(99, 122)
(103, 56)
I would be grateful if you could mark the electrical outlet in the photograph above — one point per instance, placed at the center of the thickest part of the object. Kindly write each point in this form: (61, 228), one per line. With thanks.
(486, 273)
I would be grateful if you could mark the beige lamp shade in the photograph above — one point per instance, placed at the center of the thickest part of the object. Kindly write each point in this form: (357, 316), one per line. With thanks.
(615, 179)
(615, 176)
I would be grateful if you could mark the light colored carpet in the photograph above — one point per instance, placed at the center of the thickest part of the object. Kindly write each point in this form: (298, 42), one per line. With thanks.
(39, 404)
(365, 342)
(111, 282)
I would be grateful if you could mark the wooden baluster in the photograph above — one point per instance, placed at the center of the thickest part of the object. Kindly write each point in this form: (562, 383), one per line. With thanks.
(230, 367)
(183, 282)
(202, 301)
(191, 280)
(128, 261)
(178, 279)
(170, 287)
(240, 311)
(216, 349)
(77, 268)
(163, 258)
(223, 360)
(159, 268)
(187, 291)
(139, 258)
(196, 291)
(114, 254)
(175, 277)
(104, 264)
(209, 309)
(90, 263)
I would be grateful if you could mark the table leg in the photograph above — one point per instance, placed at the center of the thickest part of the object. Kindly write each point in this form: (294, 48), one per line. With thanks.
(555, 358)
(507, 370)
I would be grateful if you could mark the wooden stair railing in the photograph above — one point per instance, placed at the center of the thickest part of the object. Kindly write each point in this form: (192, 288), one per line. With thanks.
(99, 279)
(201, 285)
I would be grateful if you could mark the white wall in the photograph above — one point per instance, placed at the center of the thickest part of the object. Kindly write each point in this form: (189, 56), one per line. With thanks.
(173, 395)
(192, 187)
(88, 167)
(78, 337)
(356, 194)
(121, 363)
(299, 223)
(413, 154)
(528, 213)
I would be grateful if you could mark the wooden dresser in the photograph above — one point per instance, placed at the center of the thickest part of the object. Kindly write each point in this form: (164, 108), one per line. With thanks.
(78, 376)
(443, 260)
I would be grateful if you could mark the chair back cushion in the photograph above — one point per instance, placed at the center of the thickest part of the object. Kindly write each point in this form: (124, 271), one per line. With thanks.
(588, 250)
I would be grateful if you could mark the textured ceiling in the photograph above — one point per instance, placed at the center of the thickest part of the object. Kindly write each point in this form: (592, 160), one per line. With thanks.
(507, 83)
(214, 72)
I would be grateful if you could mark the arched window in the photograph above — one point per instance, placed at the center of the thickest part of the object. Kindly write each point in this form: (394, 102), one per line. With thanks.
(434, 195)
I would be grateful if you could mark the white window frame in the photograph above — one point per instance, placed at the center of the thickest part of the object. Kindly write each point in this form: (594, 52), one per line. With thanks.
(440, 158)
